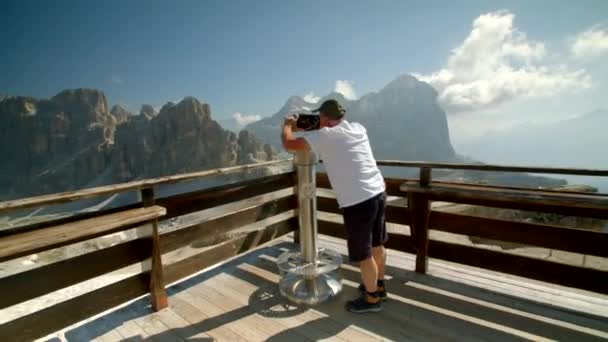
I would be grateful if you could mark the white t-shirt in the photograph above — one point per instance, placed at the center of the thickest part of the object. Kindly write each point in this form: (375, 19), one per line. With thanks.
(349, 161)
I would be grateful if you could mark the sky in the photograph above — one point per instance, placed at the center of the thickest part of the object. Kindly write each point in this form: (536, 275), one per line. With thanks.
(494, 63)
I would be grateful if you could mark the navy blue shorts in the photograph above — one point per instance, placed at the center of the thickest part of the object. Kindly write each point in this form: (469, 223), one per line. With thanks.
(365, 224)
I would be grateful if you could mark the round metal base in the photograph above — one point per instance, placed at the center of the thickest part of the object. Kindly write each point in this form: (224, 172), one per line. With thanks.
(298, 289)
(310, 283)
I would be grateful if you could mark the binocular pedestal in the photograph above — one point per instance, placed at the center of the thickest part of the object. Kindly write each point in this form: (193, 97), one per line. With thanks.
(309, 276)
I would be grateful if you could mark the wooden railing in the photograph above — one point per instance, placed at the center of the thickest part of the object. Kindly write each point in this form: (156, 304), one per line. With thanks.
(419, 194)
(270, 201)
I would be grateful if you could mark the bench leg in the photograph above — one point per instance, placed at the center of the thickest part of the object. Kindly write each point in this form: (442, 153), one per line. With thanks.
(154, 265)
(157, 283)
(419, 206)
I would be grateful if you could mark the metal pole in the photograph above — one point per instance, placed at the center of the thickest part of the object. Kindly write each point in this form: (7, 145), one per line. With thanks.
(307, 204)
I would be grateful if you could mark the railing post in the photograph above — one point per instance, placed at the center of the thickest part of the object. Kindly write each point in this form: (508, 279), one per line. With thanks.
(425, 176)
(157, 287)
(420, 208)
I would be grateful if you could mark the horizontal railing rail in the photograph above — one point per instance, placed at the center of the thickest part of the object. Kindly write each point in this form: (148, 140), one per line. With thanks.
(264, 204)
(267, 205)
(70, 196)
(494, 168)
(421, 217)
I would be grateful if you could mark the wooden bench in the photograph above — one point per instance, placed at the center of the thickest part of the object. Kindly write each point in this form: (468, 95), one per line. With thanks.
(26, 243)
(523, 199)
(586, 242)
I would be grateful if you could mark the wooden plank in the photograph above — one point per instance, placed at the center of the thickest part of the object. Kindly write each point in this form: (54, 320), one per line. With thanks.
(230, 314)
(190, 308)
(399, 242)
(130, 331)
(183, 203)
(58, 316)
(71, 196)
(66, 219)
(394, 214)
(157, 288)
(562, 203)
(14, 246)
(554, 237)
(158, 295)
(179, 326)
(227, 249)
(501, 168)
(392, 184)
(200, 200)
(310, 323)
(548, 271)
(46, 279)
(220, 225)
(227, 286)
(420, 208)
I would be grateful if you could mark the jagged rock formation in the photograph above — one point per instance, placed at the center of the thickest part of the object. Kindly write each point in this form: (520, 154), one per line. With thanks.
(181, 138)
(120, 114)
(404, 121)
(39, 138)
(72, 140)
(147, 111)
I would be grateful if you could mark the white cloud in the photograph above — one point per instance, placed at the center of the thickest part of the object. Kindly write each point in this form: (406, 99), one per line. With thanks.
(591, 43)
(116, 79)
(311, 98)
(497, 63)
(345, 88)
(244, 119)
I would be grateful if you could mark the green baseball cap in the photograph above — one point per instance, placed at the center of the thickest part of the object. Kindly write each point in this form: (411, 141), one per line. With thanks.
(331, 108)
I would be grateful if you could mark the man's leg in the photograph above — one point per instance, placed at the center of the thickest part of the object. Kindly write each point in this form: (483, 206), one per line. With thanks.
(369, 274)
(379, 256)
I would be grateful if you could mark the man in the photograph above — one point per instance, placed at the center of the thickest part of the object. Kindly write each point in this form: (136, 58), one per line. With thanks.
(359, 186)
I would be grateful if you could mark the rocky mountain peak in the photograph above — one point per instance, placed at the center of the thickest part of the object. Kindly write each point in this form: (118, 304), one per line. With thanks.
(18, 106)
(121, 114)
(147, 111)
(84, 106)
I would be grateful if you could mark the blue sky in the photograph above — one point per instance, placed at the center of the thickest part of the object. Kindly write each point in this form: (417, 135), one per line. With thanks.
(250, 56)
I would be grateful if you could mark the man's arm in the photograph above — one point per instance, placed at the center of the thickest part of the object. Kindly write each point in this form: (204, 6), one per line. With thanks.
(291, 143)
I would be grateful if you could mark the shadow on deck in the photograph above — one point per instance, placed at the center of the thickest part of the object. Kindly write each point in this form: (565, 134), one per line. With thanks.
(239, 300)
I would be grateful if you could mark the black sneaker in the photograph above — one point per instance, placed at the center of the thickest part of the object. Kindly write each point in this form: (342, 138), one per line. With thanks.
(364, 304)
(381, 291)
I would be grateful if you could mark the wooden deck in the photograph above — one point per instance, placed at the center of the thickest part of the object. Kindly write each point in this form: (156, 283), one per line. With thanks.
(239, 301)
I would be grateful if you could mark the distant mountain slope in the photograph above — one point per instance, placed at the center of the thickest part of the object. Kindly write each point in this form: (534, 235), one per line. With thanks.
(403, 120)
(577, 142)
(73, 140)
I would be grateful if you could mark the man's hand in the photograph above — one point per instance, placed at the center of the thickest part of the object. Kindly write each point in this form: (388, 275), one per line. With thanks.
(291, 143)
(290, 121)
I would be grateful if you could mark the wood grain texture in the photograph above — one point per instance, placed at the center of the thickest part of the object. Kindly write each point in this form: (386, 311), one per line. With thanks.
(14, 246)
(223, 224)
(548, 236)
(46, 279)
(70, 196)
(420, 208)
(500, 168)
(227, 249)
(548, 271)
(559, 203)
(200, 200)
(58, 316)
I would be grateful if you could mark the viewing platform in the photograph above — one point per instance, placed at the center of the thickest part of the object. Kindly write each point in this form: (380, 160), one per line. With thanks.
(201, 264)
